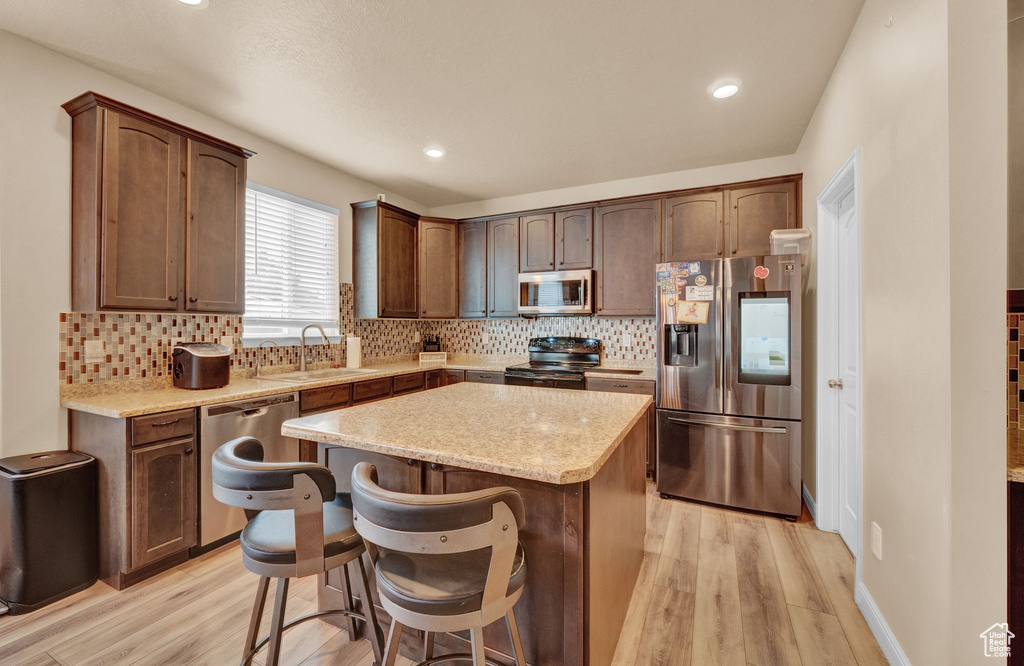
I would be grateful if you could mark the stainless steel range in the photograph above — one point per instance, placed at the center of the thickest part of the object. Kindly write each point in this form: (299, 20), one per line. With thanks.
(556, 363)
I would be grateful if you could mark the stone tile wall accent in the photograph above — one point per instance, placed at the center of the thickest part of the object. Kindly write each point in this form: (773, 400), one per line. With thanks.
(138, 345)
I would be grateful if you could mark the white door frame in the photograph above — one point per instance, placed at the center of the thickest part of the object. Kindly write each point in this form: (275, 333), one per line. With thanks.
(827, 496)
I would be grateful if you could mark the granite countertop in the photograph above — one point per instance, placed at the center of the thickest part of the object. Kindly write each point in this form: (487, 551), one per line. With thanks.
(1015, 455)
(554, 436)
(124, 399)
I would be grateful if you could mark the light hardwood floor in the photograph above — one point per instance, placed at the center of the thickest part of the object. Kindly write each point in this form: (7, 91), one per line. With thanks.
(716, 587)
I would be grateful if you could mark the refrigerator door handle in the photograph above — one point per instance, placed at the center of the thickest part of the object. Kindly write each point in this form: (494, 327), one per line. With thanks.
(723, 426)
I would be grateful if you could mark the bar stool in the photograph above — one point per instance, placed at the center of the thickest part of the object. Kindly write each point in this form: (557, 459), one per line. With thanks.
(303, 527)
(443, 562)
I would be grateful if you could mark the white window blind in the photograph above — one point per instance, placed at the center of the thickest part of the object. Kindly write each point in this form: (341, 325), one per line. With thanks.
(291, 265)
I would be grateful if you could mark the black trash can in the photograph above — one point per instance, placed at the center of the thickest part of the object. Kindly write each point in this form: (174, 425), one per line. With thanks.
(48, 528)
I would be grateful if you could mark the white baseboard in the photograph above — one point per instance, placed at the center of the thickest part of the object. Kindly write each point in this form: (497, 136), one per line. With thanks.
(811, 506)
(879, 627)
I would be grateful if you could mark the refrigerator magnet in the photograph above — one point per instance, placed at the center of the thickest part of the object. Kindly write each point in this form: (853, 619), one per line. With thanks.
(700, 293)
(692, 312)
(761, 272)
(694, 268)
(700, 280)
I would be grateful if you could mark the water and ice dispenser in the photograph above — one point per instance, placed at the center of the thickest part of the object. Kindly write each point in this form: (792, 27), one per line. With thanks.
(681, 344)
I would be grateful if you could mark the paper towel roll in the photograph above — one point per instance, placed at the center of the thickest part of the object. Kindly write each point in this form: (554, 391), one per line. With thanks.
(353, 352)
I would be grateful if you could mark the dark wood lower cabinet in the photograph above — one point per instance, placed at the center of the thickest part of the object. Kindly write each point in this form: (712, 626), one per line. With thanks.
(583, 543)
(163, 500)
(147, 493)
(1015, 564)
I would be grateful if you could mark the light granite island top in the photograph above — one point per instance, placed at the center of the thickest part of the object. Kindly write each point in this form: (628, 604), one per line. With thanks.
(576, 457)
(548, 435)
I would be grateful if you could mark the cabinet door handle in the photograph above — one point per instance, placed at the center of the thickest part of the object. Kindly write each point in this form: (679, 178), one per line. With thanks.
(193, 299)
(172, 298)
(620, 385)
(434, 467)
(165, 423)
(188, 452)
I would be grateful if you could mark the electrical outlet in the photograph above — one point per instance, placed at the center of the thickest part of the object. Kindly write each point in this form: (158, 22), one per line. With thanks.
(95, 351)
(486, 337)
(415, 336)
(228, 341)
(876, 540)
(627, 340)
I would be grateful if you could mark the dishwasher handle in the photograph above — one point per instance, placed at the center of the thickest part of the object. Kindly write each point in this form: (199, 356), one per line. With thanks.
(259, 411)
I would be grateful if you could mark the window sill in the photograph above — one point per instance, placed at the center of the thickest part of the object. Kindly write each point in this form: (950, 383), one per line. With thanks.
(291, 339)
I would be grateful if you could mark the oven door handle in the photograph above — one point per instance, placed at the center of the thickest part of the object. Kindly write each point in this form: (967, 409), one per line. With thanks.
(527, 375)
(723, 426)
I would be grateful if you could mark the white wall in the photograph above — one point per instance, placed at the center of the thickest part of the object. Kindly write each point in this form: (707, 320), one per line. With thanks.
(35, 219)
(932, 276)
(676, 180)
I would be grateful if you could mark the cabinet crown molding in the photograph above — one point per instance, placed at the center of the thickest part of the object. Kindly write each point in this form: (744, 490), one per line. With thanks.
(90, 99)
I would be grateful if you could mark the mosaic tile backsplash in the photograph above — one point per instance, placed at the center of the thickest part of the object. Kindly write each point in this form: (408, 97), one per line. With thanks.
(1014, 368)
(138, 345)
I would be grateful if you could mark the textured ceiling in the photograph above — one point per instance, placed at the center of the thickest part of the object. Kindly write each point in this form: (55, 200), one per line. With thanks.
(524, 95)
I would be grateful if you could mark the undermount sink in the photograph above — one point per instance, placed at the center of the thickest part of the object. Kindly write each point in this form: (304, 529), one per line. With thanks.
(617, 371)
(302, 376)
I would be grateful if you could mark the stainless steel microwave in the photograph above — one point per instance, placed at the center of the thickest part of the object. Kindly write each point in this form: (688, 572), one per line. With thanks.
(556, 293)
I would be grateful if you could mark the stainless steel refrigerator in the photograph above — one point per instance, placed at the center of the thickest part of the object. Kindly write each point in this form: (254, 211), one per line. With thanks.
(728, 392)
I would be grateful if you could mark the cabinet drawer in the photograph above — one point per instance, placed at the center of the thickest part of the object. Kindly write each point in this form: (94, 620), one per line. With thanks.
(406, 383)
(620, 385)
(324, 398)
(166, 425)
(375, 388)
(485, 377)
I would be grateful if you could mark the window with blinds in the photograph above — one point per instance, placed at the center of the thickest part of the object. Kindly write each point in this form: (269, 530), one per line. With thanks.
(291, 265)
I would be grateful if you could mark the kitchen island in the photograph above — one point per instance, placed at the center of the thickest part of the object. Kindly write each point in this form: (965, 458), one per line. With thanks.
(577, 458)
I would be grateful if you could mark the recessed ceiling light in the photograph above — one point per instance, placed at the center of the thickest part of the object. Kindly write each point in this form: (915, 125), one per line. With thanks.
(433, 152)
(724, 88)
(194, 3)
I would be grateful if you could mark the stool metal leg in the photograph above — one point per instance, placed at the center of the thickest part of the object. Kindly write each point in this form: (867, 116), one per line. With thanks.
(370, 613)
(477, 637)
(394, 638)
(428, 645)
(346, 584)
(513, 634)
(257, 615)
(277, 622)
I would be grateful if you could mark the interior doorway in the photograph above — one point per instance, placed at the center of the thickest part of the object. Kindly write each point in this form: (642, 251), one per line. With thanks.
(838, 387)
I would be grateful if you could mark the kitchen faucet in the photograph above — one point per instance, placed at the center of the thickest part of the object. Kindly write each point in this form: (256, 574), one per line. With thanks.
(259, 362)
(302, 342)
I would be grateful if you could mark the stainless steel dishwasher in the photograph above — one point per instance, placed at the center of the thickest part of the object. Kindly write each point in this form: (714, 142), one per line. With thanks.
(260, 418)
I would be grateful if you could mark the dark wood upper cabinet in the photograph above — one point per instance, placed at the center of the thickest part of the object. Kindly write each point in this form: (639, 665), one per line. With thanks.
(473, 269)
(537, 243)
(140, 217)
(755, 211)
(132, 190)
(215, 224)
(438, 268)
(384, 261)
(693, 227)
(574, 239)
(503, 267)
(627, 248)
